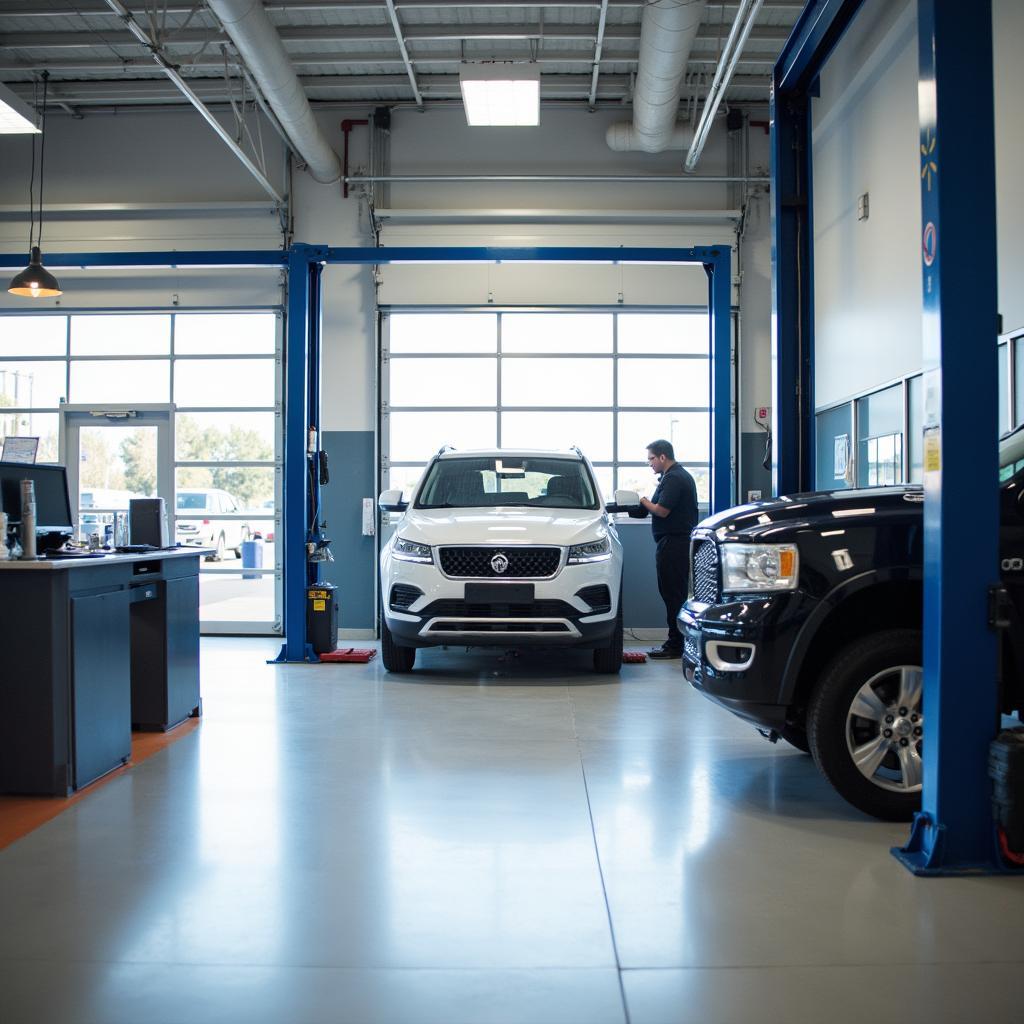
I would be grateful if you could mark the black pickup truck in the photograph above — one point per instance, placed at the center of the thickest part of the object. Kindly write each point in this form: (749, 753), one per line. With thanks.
(804, 618)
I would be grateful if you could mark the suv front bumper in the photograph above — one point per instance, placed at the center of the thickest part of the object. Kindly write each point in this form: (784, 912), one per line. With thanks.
(556, 617)
(735, 654)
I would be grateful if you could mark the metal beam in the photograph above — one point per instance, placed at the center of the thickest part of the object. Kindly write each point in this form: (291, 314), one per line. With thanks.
(397, 26)
(814, 36)
(354, 60)
(171, 72)
(93, 8)
(706, 38)
(592, 99)
(954, 831)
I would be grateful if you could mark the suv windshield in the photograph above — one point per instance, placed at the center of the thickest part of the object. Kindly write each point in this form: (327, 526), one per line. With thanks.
(507, 480)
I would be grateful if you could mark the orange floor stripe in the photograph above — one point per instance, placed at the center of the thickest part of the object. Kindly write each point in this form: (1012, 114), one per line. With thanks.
(20, 815)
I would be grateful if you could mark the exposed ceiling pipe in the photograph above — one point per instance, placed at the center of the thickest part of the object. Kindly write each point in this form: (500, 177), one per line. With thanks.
(667, 31)
(259, 45)
(746, 15)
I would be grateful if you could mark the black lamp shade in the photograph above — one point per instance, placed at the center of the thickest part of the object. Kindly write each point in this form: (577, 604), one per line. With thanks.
(35, 281)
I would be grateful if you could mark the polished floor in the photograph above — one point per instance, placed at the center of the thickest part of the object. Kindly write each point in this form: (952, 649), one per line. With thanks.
(486, 840)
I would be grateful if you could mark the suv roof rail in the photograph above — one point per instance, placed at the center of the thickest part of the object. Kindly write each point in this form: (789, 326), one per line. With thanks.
(576, 448)
(444, 448)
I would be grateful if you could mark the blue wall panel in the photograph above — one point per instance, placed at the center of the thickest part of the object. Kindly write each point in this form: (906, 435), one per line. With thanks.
(350, 453)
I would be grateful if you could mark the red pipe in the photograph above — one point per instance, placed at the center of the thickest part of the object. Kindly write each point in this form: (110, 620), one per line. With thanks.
(346, 126)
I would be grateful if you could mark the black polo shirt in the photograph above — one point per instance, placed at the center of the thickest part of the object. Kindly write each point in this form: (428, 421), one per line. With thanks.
(678, 492)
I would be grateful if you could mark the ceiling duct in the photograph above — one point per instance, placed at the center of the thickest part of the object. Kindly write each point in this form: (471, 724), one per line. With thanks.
(667, 31)
(260, 47)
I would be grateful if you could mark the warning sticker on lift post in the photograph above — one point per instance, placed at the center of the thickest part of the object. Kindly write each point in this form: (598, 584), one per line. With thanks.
(932, 450)
(319, 599)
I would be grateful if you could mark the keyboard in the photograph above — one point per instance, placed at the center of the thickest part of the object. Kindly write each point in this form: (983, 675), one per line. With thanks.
(136, 549)
(73, 554)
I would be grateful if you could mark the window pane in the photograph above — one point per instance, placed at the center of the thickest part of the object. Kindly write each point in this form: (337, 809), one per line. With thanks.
(32, 385)
(444, 382)
(121, 335)
(224, 436)
(405, 477)
(664, 333)
(120, 381)
(880, 438)
(1004, 388)
(223, 382)
(556, 382)
(242, 597)
(33, 335)
(250, 490)
(419, 435)
(605, 480)
(644, 482)
(689, 433)
(1018, 373)
(213, 333)
(444, 332)
(556, 332)
(592, 431)
(32, 424)
(670, 382)
(916, 440)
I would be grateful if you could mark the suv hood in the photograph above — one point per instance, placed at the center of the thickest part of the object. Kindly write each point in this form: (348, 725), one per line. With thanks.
(774, 520)
(507, 526)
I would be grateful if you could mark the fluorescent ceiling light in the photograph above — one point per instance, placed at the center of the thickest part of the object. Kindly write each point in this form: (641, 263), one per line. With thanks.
(501, 94)
(16, 116)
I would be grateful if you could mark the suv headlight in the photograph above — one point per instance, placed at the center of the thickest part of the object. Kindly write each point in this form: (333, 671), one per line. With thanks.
(594, 551)
(759, 567)
(410, 551)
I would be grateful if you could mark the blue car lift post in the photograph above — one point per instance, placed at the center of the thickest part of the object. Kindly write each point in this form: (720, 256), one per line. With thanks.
(954, 832)
(304, 265)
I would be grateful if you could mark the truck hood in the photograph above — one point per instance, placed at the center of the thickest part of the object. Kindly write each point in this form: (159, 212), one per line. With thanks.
(505, 526)
(773, 520)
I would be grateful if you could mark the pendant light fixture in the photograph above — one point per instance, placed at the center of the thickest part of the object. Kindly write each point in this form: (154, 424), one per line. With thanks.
(35, 281)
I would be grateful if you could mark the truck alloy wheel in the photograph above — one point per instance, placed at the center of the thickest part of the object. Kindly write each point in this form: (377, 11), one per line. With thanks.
(866, 727)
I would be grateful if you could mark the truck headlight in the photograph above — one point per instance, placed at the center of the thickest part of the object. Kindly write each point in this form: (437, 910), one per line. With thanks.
(759, 567)
(410, 551)
(595, 551)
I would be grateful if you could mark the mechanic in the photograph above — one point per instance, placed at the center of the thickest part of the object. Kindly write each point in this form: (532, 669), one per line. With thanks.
(673, 511)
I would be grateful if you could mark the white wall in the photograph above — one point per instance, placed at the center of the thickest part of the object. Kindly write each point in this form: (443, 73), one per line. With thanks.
(867, 274)
(1008, 35)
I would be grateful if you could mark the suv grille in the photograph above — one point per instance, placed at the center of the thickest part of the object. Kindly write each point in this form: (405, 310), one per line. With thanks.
(523, 563)
(705, 571)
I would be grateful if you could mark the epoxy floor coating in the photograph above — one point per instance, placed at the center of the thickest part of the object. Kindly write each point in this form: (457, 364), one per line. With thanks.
(486, 840)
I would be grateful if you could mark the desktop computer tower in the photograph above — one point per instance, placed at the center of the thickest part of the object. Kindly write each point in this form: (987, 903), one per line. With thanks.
(147, 522)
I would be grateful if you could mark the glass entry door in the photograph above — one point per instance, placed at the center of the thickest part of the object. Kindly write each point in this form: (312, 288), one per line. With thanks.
(112, 455)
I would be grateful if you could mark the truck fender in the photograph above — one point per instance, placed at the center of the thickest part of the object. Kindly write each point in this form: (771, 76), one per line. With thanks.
(831, 601)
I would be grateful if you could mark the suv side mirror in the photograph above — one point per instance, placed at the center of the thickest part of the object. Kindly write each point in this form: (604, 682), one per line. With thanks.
(626, 501)
(391, 501)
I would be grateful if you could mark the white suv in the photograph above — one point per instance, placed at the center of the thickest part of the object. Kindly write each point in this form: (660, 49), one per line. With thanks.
(507, 549)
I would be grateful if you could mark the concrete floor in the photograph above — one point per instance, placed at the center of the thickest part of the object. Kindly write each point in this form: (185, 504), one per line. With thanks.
(486, 840)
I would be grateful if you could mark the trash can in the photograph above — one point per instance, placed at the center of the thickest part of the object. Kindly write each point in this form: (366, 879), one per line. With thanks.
(252, 558)
(321, 617)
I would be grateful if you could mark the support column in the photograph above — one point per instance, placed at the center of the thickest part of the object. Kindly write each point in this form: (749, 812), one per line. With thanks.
(723, 491)
(953, 833)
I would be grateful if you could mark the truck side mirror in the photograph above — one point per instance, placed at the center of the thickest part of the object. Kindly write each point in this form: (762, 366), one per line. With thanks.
(391, 501)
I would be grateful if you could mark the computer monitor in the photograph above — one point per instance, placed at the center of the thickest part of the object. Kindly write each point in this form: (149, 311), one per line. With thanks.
(53, 505)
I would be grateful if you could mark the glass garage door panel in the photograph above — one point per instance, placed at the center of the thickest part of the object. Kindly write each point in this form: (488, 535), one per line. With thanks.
(417, 436)
(443, 382)
(224, 436)
(146, 382)
(206, 383)
(33, 336)
(121, 335)
(225, 333)
(688, 432)
(413, 333)
(664, 333)
(32, 385)
(678, 383)
(556, 382)
(592, 431)
(556, 332)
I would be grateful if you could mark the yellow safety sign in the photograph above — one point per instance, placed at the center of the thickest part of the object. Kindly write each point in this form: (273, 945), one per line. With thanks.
(319, 606)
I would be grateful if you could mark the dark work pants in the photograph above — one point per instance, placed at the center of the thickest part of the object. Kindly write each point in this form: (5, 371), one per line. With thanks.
(673, 563)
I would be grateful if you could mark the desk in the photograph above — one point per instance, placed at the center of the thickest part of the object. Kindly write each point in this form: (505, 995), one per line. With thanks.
(90, 648)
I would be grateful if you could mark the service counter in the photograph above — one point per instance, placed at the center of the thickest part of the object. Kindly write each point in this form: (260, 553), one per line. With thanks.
(92, 648)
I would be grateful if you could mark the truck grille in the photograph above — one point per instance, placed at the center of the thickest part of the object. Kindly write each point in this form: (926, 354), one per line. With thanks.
(705, 571)
(522, 563)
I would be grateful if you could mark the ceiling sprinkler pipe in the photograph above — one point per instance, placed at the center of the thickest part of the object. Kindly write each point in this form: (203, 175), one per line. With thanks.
(723, 76)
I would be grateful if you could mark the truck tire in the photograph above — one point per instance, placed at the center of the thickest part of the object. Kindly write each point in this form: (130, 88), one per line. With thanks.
(608, 659)
(395, 657)
(865, 726)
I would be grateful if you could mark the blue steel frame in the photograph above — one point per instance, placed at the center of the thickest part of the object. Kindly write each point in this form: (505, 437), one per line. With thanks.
(304, 264)
(953, 834)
